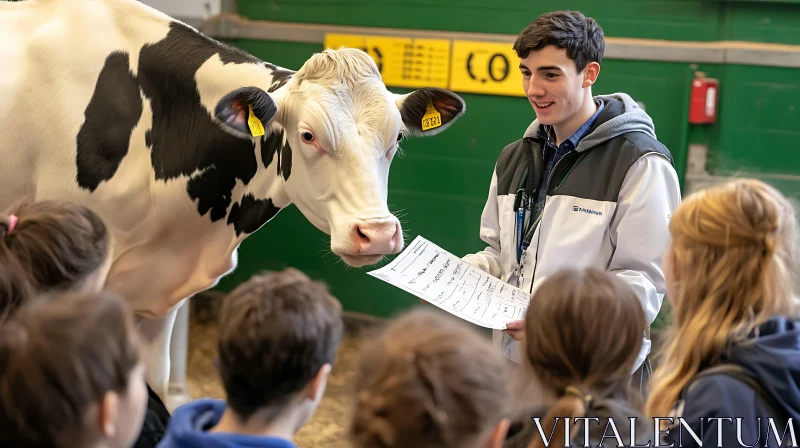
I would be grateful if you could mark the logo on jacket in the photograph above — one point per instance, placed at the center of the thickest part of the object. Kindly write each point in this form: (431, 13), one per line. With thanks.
(575, 208)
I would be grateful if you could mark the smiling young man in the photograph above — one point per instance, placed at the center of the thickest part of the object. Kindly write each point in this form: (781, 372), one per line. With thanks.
(587, 185)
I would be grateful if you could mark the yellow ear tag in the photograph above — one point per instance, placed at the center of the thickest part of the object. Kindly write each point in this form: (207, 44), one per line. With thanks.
(256, 128)
(432, 118)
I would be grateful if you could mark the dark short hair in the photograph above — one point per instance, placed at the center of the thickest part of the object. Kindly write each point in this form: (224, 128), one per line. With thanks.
(276, 331)
(59, 355)
(581, 36)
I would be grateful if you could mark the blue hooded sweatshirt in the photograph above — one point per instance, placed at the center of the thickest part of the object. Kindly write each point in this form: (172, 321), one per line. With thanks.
(773, 359)
(190, 423)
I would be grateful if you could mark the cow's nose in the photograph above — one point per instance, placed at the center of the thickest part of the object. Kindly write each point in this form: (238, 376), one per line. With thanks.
(376, 237)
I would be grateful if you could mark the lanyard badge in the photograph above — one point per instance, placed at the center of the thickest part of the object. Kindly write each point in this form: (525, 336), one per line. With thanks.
(522, 205)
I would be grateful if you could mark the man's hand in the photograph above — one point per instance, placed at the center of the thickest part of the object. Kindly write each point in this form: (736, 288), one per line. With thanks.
(515, 329)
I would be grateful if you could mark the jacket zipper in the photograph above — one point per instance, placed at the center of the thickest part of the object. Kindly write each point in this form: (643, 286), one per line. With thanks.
(538, 220)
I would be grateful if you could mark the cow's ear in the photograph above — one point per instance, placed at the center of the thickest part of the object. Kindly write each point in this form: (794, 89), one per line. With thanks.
(429, 111)
(246, 111)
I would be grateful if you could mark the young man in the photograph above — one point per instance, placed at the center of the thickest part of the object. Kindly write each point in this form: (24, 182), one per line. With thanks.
(587, 185)
(278, 334)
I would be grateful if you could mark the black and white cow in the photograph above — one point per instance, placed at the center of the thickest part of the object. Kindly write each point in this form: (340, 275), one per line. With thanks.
(115, 105)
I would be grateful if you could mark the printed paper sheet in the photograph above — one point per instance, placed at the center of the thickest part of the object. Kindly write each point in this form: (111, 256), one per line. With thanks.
(445, 280)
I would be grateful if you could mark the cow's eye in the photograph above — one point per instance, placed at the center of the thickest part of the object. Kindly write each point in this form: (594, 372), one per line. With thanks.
(307, 136)
(399, 137)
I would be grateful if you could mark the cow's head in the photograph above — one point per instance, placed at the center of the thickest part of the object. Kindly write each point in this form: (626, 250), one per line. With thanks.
(343, 128)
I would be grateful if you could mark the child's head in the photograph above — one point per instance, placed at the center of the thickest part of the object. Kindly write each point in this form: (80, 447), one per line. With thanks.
(278, 335)
(560, 56)
(70, 374)
(50, 246)
(730, 266)
(429, 381)
(583, 332)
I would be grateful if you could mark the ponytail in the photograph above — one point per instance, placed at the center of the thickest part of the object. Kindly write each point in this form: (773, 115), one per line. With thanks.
(573, 404)
(48, 246)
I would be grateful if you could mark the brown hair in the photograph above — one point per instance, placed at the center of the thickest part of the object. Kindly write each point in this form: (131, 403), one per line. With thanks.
(58, 357)
(581, 36)
(275, 333)
(427, 381)
(734, 248)
(583, 332)
(54, 246)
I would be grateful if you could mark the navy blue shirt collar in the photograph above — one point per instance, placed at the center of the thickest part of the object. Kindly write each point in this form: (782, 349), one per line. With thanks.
(579, 134)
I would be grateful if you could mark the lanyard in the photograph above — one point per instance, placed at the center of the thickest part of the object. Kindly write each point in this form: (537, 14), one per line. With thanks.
(524, 209)
(523, 205)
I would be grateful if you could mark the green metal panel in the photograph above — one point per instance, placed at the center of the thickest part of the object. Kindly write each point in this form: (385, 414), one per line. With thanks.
(758, 122)
(773, 21)
(440, 184)
(654, 19)
(759, 1)
(761, 22)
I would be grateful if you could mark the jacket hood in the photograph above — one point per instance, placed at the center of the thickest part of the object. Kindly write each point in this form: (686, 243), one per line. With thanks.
(191, 422)
(773, 356)
(620, 115)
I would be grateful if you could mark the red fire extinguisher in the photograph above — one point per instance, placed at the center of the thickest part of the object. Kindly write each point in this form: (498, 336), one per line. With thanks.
(703, 105)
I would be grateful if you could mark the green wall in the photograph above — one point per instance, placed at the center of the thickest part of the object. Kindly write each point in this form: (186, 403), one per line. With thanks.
(440, 184)
(687, 20)
(664, 19)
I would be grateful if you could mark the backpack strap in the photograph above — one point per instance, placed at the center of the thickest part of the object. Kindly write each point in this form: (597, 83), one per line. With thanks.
(738, 372)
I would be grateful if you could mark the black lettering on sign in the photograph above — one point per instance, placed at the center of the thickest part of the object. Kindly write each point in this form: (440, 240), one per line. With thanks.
(498, 67)
(469, 67)
(505, 67)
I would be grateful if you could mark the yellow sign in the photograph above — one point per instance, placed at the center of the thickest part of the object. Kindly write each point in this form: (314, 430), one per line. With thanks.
(403, 62)
(484, 67)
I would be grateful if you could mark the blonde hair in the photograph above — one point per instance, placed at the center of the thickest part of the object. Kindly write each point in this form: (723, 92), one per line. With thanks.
(733, 251)
(427, 381)
(583, 332)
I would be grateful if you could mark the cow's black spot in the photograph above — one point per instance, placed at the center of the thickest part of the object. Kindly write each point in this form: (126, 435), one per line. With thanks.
(279, 78)
(251, 214)
(184, 138)
(111, 115)
(212, 190)
(286, 161)
(148, 138)
(233, 55)
(270, 145)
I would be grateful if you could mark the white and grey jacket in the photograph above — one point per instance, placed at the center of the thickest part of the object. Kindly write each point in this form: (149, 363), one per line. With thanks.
(608, 206)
